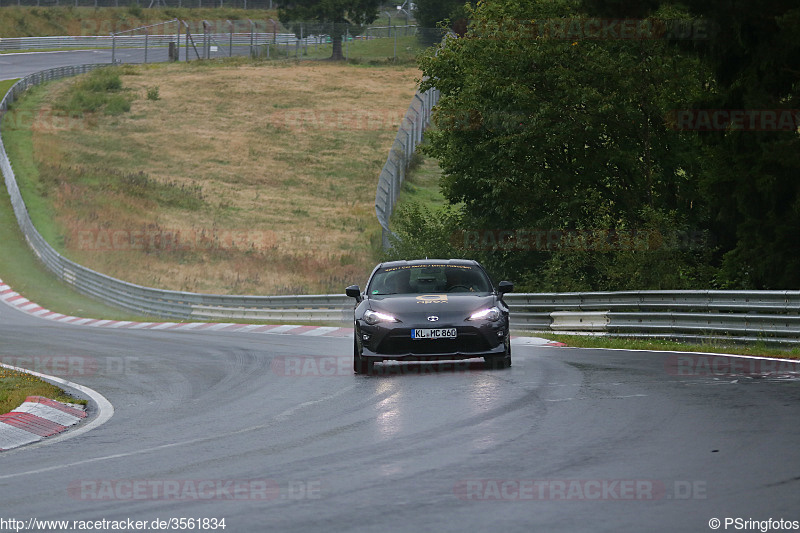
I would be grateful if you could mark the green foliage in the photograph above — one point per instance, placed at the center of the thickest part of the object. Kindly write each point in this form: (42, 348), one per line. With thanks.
(662, 253)
(135, 184)
(429, 13)
(747, 180)
(116, 104)
(434, 13)
(539, 131)
(152, 93)
(421, 232)
(99, 90)
(135, 10)
(334, 17)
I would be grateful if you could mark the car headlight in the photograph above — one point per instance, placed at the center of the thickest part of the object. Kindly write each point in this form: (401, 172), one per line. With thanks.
(492, 314)
(373, 317)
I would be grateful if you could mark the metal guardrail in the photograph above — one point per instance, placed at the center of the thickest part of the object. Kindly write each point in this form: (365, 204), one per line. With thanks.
(770, 316)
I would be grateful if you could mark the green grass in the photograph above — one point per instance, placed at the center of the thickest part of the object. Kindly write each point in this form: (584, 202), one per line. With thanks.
(759, 349)
(18, 142)
(16, 386)
(24, 273)
(422, 183)
(373, 51)
(20, 269)
(5, 85)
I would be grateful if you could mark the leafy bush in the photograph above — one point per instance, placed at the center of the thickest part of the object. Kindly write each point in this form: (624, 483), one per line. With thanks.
(116, 104)
(420, 233)
(152, 93)
(99, 90)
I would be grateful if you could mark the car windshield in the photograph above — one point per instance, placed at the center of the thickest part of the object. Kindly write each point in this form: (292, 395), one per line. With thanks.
(428, 278)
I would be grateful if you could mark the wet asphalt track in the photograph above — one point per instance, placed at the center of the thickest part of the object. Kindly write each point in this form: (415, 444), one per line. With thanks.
(619, 440)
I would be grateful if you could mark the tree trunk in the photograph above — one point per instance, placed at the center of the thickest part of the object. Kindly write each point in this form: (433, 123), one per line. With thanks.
(337, 50)
(336, 38)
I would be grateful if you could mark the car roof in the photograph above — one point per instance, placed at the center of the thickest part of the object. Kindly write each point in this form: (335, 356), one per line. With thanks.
(415, 262)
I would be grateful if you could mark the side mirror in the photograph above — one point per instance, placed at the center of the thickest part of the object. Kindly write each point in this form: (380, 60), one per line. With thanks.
(353, 292)
(505, 286)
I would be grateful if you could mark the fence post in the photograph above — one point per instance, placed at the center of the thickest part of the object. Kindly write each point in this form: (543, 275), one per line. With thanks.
(251, 34)
(206, 40)
(187, 42)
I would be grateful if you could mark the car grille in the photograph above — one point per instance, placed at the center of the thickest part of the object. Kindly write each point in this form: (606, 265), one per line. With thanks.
(399, 342)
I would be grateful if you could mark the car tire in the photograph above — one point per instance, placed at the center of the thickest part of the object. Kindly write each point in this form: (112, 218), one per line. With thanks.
(497, 362)
(360, 364)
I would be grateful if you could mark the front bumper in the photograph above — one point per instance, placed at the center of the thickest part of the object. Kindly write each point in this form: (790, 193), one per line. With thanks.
(392, 341)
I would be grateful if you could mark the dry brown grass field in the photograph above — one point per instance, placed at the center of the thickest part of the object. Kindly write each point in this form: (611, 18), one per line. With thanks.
(232, 179)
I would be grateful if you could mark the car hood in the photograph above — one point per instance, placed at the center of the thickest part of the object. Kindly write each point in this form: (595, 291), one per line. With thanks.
(453, 306)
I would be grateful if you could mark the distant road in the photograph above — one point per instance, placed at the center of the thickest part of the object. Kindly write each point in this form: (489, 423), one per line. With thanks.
(19, 65)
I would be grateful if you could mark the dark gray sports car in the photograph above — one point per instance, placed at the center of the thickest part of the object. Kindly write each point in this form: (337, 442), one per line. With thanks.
(430, 310)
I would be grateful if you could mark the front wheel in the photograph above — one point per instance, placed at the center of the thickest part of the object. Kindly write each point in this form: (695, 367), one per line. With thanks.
(361, 365)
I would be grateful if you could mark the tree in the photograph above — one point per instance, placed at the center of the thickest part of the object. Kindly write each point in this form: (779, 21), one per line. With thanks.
(539, 128)
(431, 13)
(749, 179)
(337, 17)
